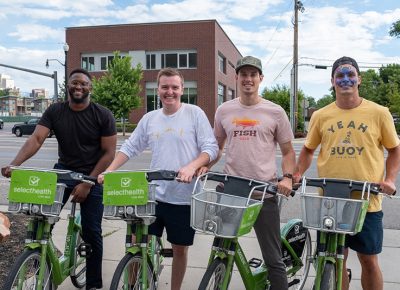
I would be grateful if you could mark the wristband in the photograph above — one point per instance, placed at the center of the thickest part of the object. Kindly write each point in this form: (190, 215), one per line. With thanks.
(288, 175)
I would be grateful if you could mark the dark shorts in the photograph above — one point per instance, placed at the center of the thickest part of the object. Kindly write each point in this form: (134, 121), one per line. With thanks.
(176, 221)
(369, 240)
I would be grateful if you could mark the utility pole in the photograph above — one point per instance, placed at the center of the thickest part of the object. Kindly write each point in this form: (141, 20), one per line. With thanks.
(298, 6)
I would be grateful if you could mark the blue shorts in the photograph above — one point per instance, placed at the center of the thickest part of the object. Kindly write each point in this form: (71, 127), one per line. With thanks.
(369, 240)
(176, 221)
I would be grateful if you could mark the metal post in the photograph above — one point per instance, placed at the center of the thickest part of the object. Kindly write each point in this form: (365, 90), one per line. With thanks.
(66, 49)
(292, 96)
(55, 85)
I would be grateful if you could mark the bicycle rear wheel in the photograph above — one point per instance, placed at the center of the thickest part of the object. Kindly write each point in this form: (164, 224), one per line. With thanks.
(214, 275)
(300, 277)
(128, 274)
(78, 276)
(24, 273)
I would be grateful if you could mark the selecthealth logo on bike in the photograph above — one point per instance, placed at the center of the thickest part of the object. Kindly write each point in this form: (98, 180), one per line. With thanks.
(33, 187)
(125, 188)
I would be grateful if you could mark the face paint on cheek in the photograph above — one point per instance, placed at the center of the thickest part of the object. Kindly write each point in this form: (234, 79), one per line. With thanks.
(346, 77)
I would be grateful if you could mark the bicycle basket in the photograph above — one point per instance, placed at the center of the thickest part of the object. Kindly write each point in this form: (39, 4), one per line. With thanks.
(223, 215)
(127, 212)
(53, 209)
(330, 214)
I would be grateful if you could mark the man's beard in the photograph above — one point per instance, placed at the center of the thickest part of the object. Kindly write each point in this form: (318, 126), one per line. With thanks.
(79, 100)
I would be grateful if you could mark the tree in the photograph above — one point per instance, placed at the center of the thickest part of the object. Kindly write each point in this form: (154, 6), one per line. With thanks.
(324, 101)
(118, 89)
(370, 87)
(281, 95)
(395, 29)
(311, 102)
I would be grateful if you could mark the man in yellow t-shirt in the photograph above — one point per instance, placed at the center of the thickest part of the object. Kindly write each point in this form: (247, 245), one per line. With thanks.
(353, 133)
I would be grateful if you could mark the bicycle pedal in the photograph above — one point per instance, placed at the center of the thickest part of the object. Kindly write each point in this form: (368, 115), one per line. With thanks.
(294, 282)
(84, 250)
(167, 253)
(255, 263)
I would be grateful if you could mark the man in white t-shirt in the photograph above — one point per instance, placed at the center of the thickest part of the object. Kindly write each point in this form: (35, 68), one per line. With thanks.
(181, 139)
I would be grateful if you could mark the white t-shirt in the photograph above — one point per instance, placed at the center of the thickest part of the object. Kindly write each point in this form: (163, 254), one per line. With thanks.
(175, 140)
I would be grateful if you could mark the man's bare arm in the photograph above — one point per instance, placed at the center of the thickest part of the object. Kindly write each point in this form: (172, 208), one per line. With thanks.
(30, 147)
(303, 163)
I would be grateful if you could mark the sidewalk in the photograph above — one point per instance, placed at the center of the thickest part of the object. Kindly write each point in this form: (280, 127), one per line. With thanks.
(114, 232)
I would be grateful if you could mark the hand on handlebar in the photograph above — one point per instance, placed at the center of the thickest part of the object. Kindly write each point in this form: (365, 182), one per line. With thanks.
(100, 178)
(80, 192)
(387, 187)
(186, 174)
(202, 170)
(6, 171)
(285, 187)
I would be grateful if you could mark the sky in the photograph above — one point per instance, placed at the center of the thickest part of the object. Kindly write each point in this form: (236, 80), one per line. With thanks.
(33, 31)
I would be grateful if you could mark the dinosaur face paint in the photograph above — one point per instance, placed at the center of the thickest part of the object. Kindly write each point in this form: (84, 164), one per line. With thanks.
(346, 76)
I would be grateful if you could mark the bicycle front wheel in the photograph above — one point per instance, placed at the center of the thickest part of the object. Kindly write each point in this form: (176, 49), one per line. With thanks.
(299, 279)
(214, 275)
(328, 280)
(129, 272)
(78, 275)
(24, 273)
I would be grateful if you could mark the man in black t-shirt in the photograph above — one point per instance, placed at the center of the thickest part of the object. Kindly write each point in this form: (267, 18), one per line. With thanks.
(86, 136)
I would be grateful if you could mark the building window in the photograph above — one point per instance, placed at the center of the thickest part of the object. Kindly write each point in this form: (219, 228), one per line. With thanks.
(192, 60)
(221, 64)
(221, 93)
(171, 60)
(151, 99)
(181, 60)
(110, 58)
(189, 96)
(150, 61)
(231, 94)
(88, 63)
(103, 63)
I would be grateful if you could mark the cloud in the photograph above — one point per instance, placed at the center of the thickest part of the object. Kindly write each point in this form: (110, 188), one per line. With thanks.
(29, 32)
(263, 29)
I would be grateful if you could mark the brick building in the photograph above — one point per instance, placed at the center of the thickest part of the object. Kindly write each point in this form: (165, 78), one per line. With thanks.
(201, 50)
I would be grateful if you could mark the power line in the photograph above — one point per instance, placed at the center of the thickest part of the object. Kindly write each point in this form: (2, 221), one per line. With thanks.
(279, 74)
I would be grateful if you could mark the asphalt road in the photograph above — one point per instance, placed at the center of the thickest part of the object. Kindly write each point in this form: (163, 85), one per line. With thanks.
(47, 156)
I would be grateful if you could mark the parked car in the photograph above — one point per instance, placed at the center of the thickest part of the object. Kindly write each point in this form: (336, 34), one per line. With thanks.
(1, 124)
(27, 128)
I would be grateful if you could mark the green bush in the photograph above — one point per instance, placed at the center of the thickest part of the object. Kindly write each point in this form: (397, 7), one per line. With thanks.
(129, 128)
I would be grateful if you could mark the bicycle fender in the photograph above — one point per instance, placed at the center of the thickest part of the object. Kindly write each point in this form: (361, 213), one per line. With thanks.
(32, 246)
(133, 250)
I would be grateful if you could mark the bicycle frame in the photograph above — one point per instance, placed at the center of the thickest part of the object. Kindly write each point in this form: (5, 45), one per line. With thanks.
(61, 266)
(330, 248)
(338, 214)
(230, 249)
(144, 245)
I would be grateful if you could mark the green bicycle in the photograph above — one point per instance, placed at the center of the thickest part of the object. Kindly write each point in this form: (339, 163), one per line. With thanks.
(229, 212)
(338, 212)
(130, 196)
(36, 192)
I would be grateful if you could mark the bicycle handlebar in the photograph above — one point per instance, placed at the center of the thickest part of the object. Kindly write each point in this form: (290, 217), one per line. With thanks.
(161, 175)
(241, 186)
(63, 174)
(341, 188)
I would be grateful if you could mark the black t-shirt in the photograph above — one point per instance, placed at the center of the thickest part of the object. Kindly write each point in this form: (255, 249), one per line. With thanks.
(79, 133)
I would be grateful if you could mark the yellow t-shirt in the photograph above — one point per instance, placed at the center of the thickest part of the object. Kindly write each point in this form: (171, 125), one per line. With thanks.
(352, 143)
